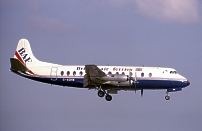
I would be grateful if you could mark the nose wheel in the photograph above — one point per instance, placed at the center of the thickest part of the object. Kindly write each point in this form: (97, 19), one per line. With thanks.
(102, 93)
(167, 97)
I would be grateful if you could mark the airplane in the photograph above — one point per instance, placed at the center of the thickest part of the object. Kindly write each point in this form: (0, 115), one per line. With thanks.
(105, 79)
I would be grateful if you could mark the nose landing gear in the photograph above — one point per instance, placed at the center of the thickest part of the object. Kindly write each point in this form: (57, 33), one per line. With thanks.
(167, 97)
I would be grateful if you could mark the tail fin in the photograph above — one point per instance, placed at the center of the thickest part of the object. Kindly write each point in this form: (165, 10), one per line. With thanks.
(24, 54)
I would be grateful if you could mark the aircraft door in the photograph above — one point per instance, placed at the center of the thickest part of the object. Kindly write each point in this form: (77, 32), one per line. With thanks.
(53, 73)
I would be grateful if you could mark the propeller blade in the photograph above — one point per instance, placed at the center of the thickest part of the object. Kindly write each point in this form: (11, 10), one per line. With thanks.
(141, 92)
(129, 82)
(135, 81)
(129, 78)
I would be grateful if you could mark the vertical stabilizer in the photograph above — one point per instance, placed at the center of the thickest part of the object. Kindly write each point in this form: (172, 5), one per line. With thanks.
(24, 54)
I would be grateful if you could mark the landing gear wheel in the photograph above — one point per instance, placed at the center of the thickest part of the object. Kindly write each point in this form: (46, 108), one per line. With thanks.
(108, 97)
(101, 93)
(167, 97)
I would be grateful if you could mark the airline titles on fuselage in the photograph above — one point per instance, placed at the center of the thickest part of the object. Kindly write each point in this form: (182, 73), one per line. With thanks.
(114, 68)
(83, 68)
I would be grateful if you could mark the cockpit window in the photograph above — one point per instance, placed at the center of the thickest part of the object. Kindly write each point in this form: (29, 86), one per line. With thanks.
(173, 72)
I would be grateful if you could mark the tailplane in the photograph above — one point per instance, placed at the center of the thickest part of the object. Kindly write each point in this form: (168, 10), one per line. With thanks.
(16, 65)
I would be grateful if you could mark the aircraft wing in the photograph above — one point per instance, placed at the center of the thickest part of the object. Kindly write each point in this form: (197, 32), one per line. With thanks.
(94, 71)
(93, 75)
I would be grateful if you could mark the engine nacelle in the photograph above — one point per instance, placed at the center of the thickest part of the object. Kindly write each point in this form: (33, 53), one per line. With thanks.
(116, 77)
(115, 83)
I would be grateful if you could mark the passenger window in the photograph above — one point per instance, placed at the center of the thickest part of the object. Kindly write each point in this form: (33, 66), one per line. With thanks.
(74, 73)
(150, 74)
(142, 74)
(109, 73)
(81, 73)
(68, 73)
(130, 73)
(62, 73)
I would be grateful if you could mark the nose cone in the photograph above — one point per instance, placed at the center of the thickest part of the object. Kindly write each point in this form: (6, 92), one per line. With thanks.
(188, 83)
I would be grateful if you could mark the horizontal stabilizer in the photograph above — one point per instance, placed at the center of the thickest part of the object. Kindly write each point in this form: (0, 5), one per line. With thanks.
(16, 65)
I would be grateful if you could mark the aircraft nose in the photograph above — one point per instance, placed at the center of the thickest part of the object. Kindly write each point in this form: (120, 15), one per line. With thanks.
(188, 83)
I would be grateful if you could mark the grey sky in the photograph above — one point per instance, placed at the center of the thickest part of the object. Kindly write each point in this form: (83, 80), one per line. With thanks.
(115, 32)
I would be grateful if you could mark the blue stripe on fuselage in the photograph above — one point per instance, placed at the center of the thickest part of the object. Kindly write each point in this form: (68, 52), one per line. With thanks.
(78, 82)
(160, 84)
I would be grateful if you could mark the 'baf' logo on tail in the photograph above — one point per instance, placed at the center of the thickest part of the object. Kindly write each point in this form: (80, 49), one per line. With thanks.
(25, 56)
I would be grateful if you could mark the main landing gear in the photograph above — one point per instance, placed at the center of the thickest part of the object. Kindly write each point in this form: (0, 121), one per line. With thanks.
(101, 93)
(167, 97)
(107, 96)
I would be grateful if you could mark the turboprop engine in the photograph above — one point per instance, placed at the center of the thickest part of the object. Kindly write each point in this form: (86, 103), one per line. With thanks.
(120, 80)
(116, 77)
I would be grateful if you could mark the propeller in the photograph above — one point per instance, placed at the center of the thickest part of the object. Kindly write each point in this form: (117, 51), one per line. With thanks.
(141, 92)
(135, 81)
(131, 79)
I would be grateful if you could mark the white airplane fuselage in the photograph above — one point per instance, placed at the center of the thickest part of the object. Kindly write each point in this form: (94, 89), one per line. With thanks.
(136, 78)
